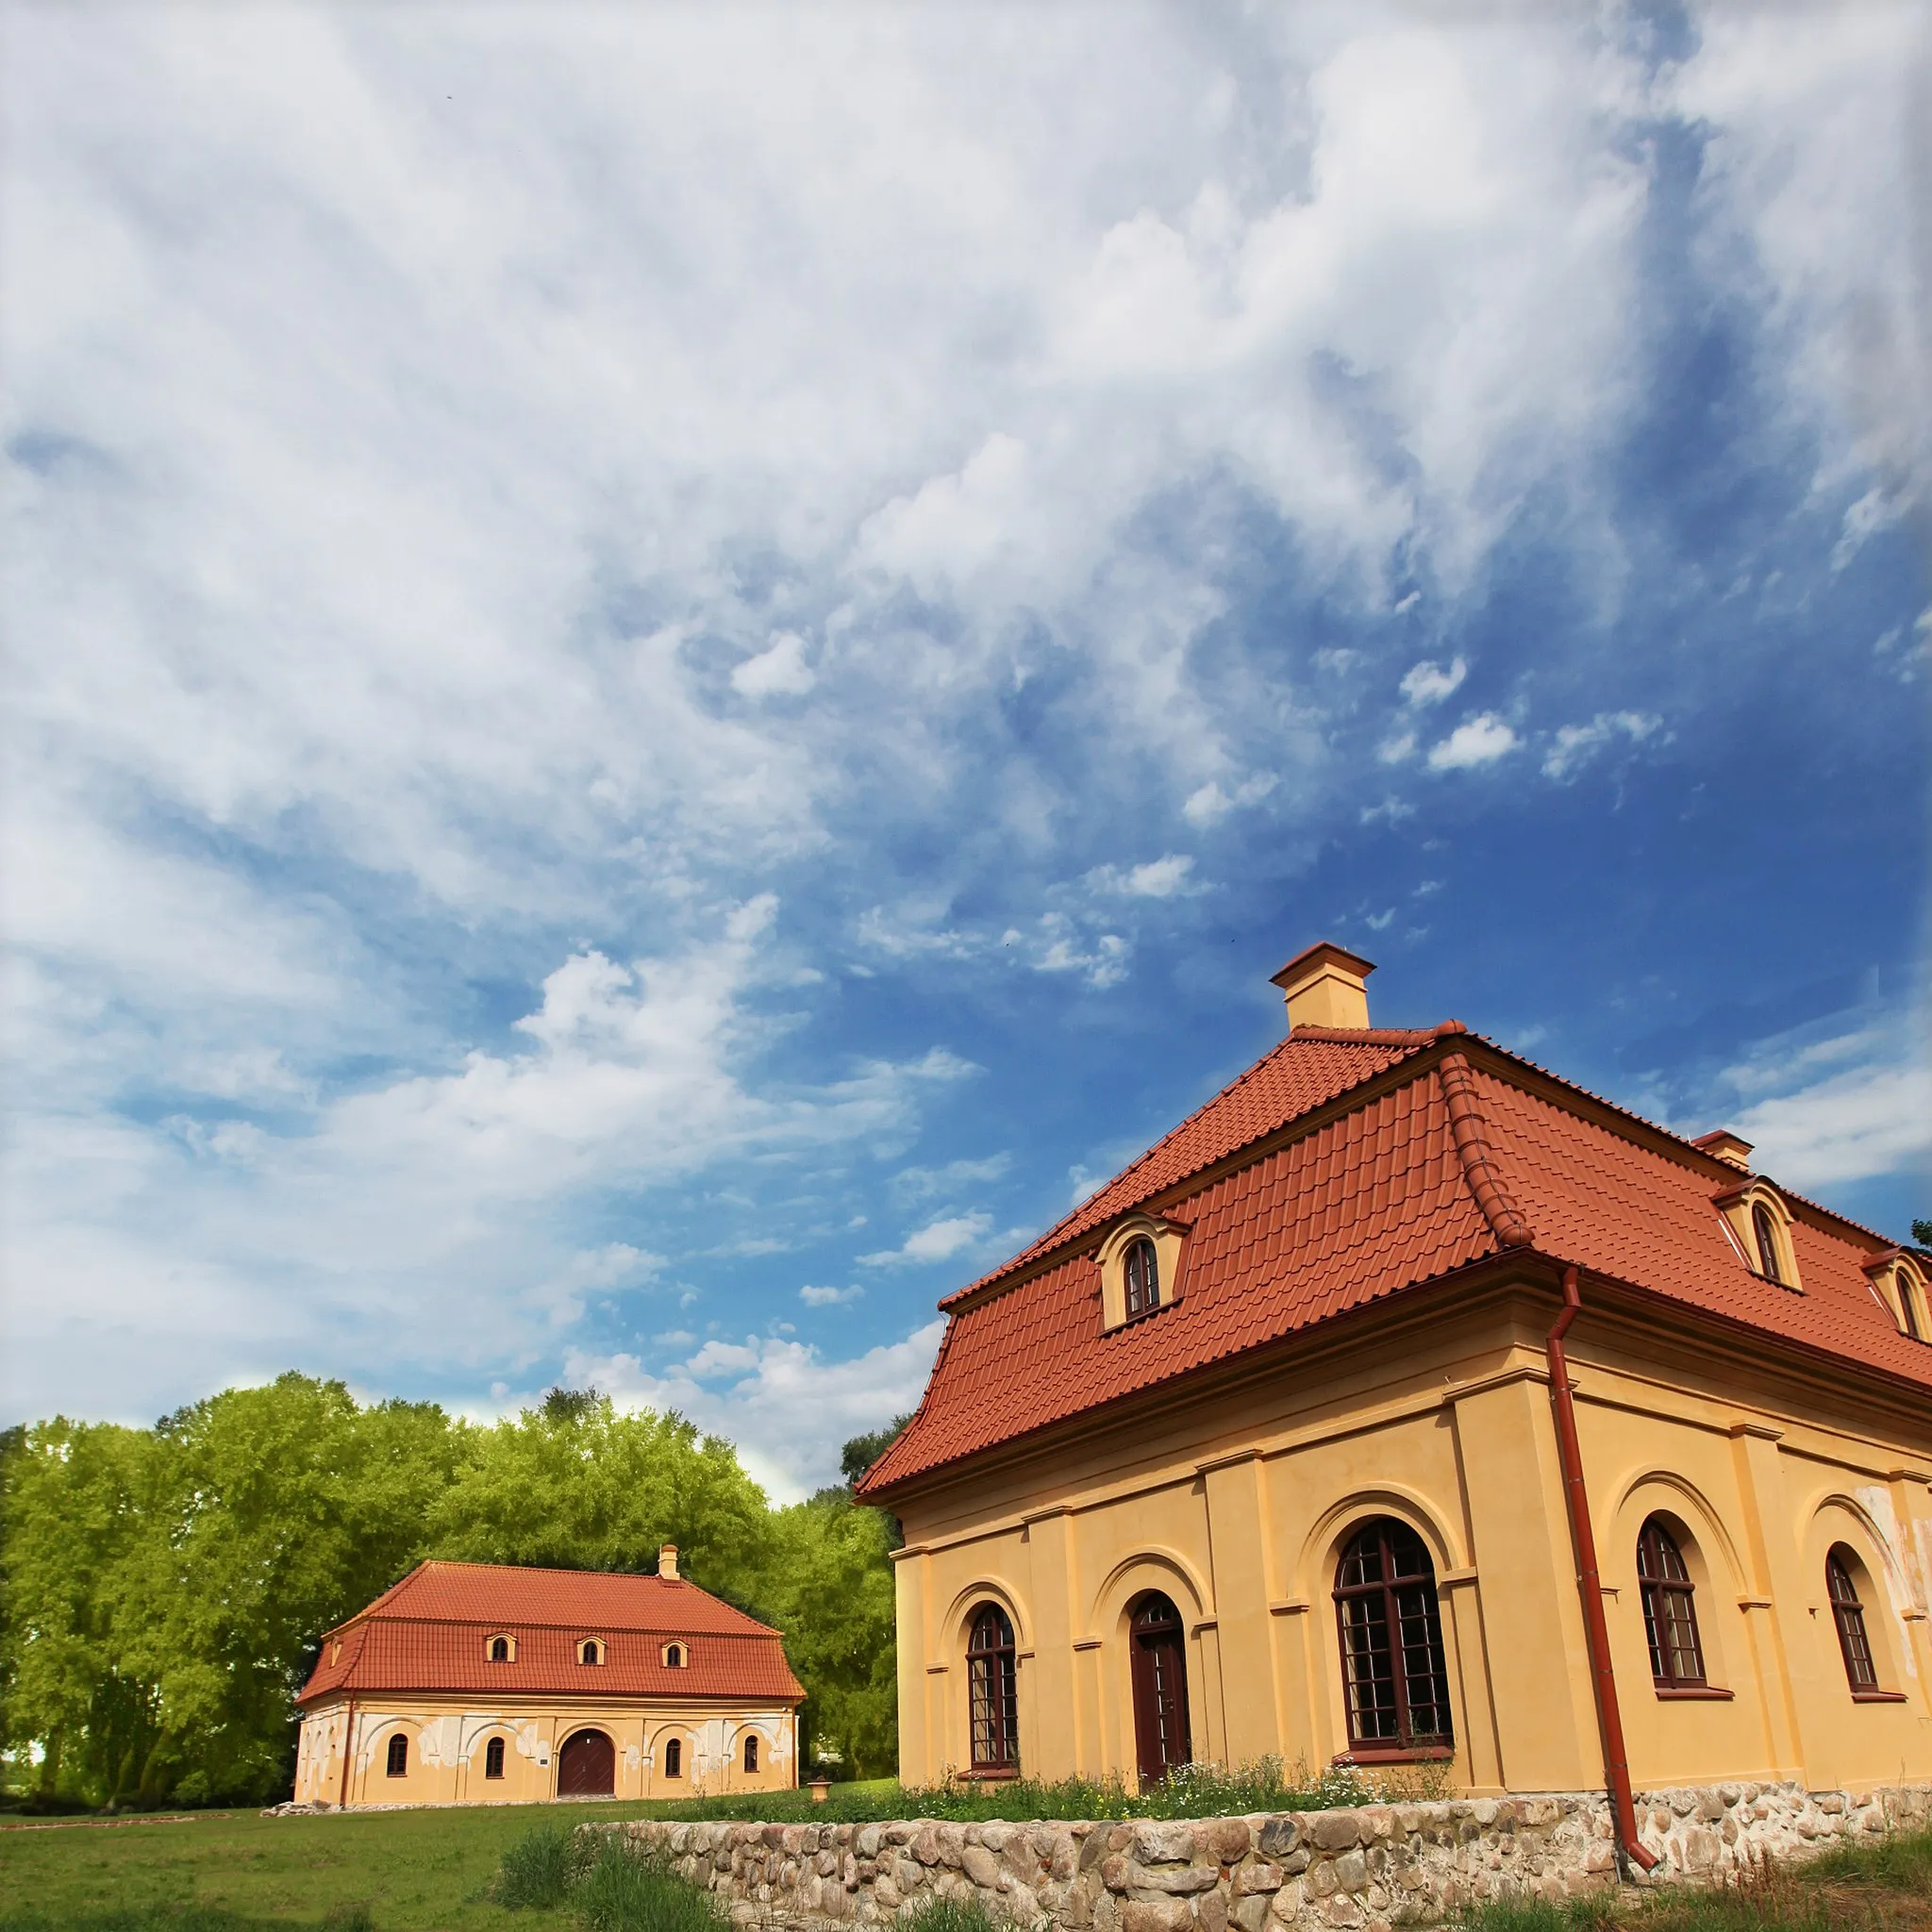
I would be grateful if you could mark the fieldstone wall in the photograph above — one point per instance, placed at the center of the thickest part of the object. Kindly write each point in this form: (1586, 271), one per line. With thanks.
(1371, 1868)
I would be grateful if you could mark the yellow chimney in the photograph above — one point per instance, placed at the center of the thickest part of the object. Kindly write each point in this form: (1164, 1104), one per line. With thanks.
(1727, 1147)
(1326, 986)
(667, 1560)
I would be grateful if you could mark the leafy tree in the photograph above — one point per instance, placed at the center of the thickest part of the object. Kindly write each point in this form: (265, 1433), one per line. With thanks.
(162, 1591)
(579, 1484)
(1922, 1233)
(862, 1452)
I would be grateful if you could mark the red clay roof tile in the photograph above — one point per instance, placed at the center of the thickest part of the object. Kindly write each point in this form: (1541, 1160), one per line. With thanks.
(1398, 1190)
(431, 1633)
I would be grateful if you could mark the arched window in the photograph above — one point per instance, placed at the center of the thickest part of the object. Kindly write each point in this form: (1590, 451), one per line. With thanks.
(398, 1756)
(1766, 1232)
(751, 1754)
(673, 1657)
(1849, 1614)
(590, 1652)
(499, 1650)
(1670, 1615)
(673, 1757)
(493, 1759)
(992, 1689)
(1909, 1306)
(1143, 1278)
(1392, 1641)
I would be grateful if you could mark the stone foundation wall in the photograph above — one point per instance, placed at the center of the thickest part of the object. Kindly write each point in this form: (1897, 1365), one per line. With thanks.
(1373, 1867)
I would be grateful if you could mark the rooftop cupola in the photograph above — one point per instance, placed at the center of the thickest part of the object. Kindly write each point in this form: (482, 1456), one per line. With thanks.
(1326, 986)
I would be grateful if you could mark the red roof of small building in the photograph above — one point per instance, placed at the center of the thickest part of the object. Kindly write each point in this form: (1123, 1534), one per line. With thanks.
(431, 1633)
(1341, 1169)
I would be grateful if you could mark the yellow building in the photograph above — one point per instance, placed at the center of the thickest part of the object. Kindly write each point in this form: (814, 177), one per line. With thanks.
(479, 1684)
(1408, 1402)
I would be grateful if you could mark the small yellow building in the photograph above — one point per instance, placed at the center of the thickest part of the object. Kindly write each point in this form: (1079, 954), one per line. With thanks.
(478, 1684)
(1410, 1404)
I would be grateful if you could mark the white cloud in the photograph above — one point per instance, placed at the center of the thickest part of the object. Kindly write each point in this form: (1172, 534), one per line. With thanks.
(938, 1241)
(1479, 741)
(779, 672)
(924, 1183)
(787, 1407)
(1208, 805)
(1576, 744)
(1159, 878)
(1867, 1121)
(1398, 749)
(831, 1297)
(1429, 684)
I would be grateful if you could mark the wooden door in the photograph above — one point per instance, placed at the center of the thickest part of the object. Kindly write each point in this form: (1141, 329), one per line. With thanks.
(1160, 1688)
(587, 1766)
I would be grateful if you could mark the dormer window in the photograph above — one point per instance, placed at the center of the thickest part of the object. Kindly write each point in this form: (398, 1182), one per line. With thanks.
(676, 1657)
(1760, 1229)
(1911, 1310)
(1140, 1269)
(502, 1650)
(590, 1651)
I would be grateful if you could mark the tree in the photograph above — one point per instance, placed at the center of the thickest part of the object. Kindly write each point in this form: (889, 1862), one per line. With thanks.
(1922, 1233)
(862, 1452)
(579, 1484)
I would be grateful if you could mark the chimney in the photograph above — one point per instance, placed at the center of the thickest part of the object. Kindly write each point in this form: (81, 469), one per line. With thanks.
(1326, 986)
(1727, 1147)
(667, 1560)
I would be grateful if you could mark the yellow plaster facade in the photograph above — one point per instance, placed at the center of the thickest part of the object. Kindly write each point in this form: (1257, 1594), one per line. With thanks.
(446, 1749)
(1234, 1492)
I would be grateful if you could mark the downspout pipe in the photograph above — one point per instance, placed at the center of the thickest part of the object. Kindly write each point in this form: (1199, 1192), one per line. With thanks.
(348, 1752)
(1596, 1632)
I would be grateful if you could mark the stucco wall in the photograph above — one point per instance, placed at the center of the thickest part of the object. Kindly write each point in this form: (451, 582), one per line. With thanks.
(1235, 1502)
(1379, 1866)
(448, 1742)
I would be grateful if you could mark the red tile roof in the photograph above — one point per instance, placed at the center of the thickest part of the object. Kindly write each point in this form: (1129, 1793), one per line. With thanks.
(431, 1633)
(1454, 1151)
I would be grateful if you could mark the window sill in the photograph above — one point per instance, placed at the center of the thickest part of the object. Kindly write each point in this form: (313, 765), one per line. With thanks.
(989, 1775)
(1395, 1754)
(1692, 1693)
(1880, 1697)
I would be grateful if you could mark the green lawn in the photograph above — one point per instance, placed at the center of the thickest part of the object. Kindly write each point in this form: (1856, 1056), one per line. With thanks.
(424, 1871)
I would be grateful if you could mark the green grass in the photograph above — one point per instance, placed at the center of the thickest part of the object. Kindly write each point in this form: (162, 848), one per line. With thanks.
(1885, 1887)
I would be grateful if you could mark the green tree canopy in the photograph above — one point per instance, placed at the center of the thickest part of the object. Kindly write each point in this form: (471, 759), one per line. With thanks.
(162, 1591)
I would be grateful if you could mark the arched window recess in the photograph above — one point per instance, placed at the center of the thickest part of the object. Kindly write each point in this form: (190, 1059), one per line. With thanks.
(1900, 1283)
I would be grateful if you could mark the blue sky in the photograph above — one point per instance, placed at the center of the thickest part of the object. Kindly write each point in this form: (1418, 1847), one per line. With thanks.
(674, 673)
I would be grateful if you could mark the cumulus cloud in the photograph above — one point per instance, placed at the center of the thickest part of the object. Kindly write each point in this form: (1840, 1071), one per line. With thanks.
(938, 1240)
(1479, 741)
(779, 672)
(1855, 1121)
(1575, 745)
(782, 1402)
(1159, 878)
(830, 1297)
(1429, 684)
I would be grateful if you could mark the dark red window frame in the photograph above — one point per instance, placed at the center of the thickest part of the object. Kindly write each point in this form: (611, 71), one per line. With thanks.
(673, 1757)
(1141, 1265)
(751, 1754)
(992, 1682)
(1765, 1229)
(1848, 1613)
(1670, 1610)
(1393, 1668)
(397, 1762)
(493, 1759)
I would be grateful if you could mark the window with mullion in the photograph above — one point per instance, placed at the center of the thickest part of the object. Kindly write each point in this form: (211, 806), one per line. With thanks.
(1849, 1614)
(1670, 1610)
(992, 1682)
(1391, 1639)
